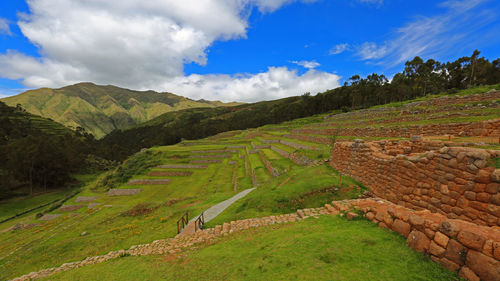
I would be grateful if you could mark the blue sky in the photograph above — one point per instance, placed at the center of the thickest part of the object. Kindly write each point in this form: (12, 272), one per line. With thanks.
(246, 51)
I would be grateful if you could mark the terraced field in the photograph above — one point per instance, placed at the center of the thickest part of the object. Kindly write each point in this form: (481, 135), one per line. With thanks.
(288, 164)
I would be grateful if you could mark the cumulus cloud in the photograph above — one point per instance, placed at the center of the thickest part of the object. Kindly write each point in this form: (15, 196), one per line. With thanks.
(458, 27)
(4, 27)
(306, 64)
(130, 43)
(339, 48)
(277, 82)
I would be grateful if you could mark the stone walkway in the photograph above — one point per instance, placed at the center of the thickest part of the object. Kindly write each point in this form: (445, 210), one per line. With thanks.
(215, 210)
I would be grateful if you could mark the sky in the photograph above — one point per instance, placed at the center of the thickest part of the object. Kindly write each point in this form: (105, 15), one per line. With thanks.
(232, 50)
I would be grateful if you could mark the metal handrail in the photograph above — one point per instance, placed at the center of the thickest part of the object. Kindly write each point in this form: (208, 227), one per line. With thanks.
(184, 220)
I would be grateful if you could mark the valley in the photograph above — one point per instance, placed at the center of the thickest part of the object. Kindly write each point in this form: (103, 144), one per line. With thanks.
(320, 182)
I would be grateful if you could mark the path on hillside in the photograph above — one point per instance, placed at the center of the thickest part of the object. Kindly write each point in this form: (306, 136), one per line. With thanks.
(215, 210)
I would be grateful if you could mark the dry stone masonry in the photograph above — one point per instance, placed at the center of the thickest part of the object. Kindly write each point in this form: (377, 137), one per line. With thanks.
(489, 128)
(182, 167)
(453, 181)
(170, 173)
(149, 182)
(123, 192)
(470, 249)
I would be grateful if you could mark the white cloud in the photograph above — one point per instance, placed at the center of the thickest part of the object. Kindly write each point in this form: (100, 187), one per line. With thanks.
(129, 43)
(4, 27)
(277, 82)
(306, 64)
(457, 28)
(339, 48)
(370, 50)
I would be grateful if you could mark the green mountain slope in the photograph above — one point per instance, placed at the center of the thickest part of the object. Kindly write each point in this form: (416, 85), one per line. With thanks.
(102, 109)
(37, 152)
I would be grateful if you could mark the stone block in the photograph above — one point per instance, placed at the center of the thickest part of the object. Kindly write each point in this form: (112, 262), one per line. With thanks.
(471, 239)
(468, 274)
(483, 176)
(450, 265)
(485, 267)
(436, 250)
(417, 221)
(418, 241)
(401, 227)
(496, 250)
(455, 252)
(492, 188)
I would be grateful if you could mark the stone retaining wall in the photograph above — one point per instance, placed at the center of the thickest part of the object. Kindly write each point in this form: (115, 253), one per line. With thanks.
(315, 139)
(470, 249)
(272, 171)
(123, 192)
(411, 107)
(182, 167)
(205, 161)
(288, 143)
(453, 181)
(170, 173)
(295, 157)
(490, 128)
(149, 182)
(212, 156)
(215, 151)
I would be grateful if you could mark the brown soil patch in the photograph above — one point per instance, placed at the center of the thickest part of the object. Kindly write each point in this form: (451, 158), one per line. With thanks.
(140, 210)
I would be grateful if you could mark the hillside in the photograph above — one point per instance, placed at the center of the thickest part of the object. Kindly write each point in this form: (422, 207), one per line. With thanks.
(432, 164)
(419, 79)
(37, 152)
(102, 109)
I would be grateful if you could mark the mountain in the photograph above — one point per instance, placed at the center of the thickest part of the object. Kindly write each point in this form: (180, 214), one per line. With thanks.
(102, 109)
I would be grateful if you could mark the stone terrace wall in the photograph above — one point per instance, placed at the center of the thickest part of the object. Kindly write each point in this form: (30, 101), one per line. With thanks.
(316, 139)
(489, 128)
(288, 143)
(453, 181)
(470, 249)
(492, 95)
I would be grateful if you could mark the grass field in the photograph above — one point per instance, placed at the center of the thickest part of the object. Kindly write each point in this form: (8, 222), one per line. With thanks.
(328, 248)
(19, 205)
(324, 249)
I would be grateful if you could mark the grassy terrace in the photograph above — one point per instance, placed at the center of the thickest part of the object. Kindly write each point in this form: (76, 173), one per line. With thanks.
(419, 119)
(328, 248)
(125, 221)
(323, 249)
(21, 204)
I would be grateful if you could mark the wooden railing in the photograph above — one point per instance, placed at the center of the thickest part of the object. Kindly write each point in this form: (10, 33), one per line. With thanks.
(182, 222)
(199, 222)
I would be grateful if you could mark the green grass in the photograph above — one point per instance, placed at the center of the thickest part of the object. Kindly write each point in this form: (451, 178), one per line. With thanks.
(328, 248)
(495, 163)
(59, 241)
(298, 193)
(12, 207)
(466, 92)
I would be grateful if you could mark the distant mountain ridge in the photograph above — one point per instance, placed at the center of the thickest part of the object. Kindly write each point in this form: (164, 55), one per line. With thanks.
(102, 109)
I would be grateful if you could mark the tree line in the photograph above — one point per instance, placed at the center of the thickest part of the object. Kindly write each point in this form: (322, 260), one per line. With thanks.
(37, 153)
(42, 154)
(419, 78)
